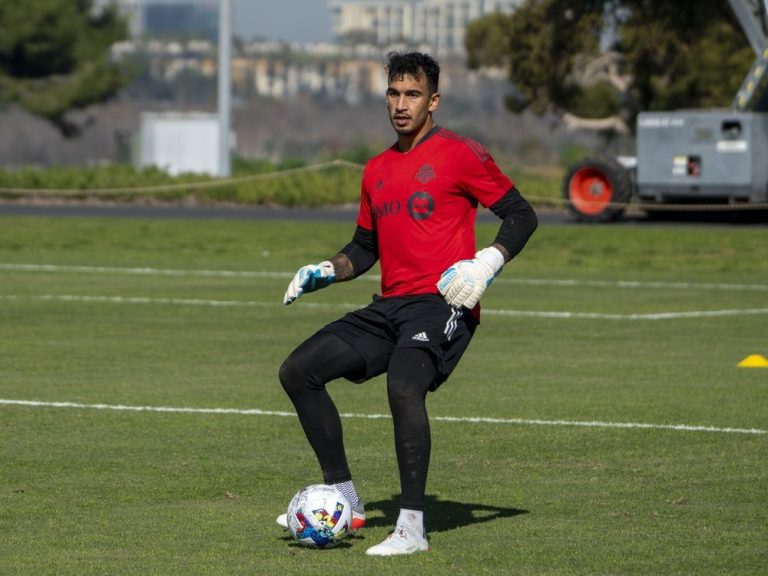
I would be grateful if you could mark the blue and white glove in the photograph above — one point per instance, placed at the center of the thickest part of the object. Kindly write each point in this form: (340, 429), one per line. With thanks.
(308, 279)
(465, 282)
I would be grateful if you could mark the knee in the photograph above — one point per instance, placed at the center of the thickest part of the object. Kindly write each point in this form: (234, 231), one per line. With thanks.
(289, 375)
(410, 374)
(284, 374)
(403, 393)
(294, 376)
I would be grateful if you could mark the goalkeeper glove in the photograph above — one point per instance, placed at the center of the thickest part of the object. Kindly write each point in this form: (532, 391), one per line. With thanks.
(308, 279)
(464, 283)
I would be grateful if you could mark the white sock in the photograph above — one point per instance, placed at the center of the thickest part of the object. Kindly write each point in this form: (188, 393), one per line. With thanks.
(348, 489)
(412, 519)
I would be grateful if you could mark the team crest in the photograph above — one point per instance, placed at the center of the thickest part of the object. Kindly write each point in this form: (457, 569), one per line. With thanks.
(425, 174)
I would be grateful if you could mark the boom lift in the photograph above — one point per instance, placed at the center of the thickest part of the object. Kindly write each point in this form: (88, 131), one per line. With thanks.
(717, 157)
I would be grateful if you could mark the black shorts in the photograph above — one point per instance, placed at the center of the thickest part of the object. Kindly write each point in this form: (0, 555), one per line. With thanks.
(421, 321)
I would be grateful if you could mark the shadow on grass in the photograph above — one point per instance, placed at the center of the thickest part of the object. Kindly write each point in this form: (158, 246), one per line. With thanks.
(441, 515)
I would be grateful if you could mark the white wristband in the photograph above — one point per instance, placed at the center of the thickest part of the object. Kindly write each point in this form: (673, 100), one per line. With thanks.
(493, 257)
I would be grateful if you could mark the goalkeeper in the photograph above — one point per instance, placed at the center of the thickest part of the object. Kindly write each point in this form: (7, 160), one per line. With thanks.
(418, 205)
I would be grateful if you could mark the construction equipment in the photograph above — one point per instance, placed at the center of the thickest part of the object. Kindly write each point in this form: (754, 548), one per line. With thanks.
(707, 158)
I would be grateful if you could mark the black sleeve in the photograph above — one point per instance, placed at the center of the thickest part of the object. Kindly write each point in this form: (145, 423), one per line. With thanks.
(362, 251)
(519, 221)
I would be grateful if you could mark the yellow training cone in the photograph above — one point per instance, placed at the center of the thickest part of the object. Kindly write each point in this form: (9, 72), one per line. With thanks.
(754, 361)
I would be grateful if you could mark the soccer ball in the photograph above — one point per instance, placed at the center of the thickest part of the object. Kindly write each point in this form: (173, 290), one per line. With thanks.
(319, 516)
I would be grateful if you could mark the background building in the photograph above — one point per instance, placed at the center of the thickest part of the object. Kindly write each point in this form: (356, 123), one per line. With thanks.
(191, 19)
(438, 24)
(181, 20)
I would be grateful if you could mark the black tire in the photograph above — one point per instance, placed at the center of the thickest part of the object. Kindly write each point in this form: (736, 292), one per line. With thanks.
(597, 189)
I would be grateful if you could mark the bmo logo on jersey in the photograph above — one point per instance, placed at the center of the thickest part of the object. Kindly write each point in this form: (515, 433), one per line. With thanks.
(421, 205)
(385, 209)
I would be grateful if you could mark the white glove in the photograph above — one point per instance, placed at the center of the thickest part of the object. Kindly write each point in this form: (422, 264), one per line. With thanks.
(464, 283)
(308, 279)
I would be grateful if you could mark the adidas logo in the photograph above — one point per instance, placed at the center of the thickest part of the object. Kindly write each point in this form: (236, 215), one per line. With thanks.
(421, 337)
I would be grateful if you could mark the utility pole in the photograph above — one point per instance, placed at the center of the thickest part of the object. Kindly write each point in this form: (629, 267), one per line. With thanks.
(225, 86)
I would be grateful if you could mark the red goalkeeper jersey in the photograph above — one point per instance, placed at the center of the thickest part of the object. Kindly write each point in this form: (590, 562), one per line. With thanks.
(422, 204)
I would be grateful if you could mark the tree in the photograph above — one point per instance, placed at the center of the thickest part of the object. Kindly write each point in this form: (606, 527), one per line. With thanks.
(54, 57)
(598, 63)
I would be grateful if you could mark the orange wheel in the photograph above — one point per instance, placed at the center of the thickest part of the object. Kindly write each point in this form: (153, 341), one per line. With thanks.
(590, 191)
(597, 189)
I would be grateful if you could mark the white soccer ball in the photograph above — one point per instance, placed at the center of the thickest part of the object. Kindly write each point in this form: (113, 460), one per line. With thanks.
(319, 516)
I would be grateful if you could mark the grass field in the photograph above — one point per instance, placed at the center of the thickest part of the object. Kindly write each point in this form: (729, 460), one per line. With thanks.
(598, 424)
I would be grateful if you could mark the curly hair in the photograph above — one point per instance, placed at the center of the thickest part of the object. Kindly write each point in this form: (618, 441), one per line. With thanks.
(416, 64)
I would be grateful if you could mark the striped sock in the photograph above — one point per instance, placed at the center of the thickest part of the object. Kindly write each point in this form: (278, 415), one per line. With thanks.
(348, 489)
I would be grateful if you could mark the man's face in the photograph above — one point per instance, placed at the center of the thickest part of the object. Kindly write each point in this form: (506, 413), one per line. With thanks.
(409, 103)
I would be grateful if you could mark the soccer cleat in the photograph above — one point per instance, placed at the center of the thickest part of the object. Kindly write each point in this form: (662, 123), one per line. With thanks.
(401, 541)
(358, 519)
(282, 521)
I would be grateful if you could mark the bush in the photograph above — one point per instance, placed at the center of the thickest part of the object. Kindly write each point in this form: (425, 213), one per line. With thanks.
(254, 182)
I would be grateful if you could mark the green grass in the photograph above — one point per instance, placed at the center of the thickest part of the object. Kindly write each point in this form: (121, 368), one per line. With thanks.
(87, 491)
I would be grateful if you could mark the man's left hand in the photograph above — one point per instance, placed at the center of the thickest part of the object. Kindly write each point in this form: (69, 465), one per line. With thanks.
(465, 282)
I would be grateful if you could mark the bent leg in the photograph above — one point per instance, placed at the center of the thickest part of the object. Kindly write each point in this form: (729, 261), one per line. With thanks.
(318, 360)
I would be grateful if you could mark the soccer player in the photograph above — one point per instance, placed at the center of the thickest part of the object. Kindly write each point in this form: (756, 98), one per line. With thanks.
(418, 204)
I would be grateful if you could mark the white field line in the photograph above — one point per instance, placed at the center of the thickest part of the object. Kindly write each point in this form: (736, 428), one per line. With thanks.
(450, 419)
(650, 316)
(560, 315)
(626, 284)
(51, 268)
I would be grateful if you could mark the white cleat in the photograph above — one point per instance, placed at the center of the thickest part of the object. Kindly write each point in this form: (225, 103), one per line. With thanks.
(401, 541)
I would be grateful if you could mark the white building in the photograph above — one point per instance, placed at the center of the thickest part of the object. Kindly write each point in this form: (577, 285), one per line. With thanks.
(180, 142)
(439, 24)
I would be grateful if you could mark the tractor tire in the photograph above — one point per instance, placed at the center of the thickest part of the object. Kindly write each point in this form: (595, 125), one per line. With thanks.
(597, 189)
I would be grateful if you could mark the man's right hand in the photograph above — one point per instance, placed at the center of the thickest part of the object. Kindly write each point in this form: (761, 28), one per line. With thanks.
(308, 279)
